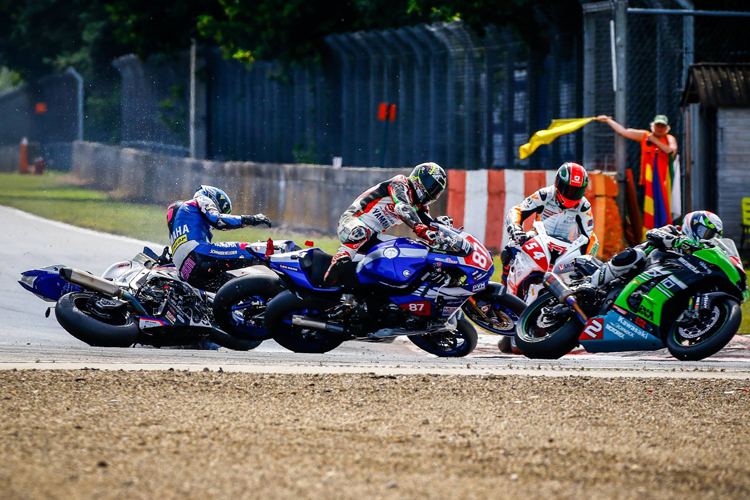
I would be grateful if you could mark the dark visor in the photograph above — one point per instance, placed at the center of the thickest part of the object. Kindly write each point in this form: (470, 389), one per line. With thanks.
(705, 233)
(570, 192)
(432, 186)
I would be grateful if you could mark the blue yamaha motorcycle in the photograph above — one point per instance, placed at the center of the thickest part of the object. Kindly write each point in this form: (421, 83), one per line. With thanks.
(401, 286)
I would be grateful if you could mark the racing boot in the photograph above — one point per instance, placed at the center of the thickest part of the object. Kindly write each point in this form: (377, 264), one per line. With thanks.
(624, 262)
(335, 271)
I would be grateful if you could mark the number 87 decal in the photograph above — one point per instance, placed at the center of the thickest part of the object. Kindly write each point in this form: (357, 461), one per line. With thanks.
(480, 257)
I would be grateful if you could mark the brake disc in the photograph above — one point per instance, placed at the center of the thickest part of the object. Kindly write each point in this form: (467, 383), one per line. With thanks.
(697, 327)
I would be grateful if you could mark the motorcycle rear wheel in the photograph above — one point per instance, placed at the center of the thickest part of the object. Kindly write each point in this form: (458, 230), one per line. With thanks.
(447, 344)
(541, 341)
(683, 343)
(96, 320)
(278, 320)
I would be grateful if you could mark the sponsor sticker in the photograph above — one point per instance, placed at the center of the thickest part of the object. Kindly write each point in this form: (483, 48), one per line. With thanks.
(288, 268)
(479, 286)
(406, 273)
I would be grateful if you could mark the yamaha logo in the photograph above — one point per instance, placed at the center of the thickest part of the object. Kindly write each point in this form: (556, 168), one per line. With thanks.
(390, 253)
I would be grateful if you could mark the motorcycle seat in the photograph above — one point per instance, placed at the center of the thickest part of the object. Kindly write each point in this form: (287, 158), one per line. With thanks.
(315, 264)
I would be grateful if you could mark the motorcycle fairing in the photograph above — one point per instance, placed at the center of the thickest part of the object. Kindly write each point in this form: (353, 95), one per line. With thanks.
(394, 263)
(616, 331)
(46, 283)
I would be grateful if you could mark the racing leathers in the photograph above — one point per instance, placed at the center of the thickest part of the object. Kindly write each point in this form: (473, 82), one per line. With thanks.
(562, 223)
(633, 259)
(388, 204)
(202, 263)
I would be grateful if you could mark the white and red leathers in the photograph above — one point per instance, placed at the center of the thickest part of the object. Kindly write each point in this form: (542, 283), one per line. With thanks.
(390, 203)
(562, 223)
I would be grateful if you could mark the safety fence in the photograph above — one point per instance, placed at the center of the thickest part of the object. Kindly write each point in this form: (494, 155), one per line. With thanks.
(461, 100)
(663, 38)
(49, 112)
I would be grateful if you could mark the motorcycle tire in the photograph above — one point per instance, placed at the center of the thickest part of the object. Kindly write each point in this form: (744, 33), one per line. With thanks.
(728, 322)
(558, 343)
(232, 342)
(435, 343)
(504, 344)
(278, 320)
(260, 286)
(76, 314)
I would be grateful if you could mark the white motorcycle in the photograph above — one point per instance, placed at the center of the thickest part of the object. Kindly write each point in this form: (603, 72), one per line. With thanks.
(540, 254)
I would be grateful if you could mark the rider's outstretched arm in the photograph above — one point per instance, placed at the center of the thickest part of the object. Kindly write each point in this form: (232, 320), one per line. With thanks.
(225, 221)
(585, 219)
(401, 194)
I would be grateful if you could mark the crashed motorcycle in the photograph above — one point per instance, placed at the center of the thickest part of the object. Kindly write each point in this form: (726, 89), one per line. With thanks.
(688, 303)
(402, 286)
(138, 301)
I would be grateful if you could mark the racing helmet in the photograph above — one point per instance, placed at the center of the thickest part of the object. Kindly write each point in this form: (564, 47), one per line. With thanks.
(702, 225)
(570, 184)
(218, 196)
(428, 180)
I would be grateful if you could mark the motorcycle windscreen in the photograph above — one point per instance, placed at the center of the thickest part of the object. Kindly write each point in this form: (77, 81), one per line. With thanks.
(392, 263)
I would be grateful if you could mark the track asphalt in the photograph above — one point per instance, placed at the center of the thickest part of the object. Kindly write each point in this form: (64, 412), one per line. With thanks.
(29, 340)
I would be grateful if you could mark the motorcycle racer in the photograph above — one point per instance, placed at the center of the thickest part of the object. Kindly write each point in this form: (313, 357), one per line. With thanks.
(396, 201)
(699, 229)
(562, 208)
(200, 262)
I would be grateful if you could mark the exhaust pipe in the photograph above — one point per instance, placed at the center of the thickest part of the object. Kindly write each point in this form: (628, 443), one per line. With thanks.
(90, 281)
(564, 294)
(318, 325)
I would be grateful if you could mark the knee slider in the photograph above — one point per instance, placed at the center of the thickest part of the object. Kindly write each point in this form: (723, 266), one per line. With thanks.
(626, 260)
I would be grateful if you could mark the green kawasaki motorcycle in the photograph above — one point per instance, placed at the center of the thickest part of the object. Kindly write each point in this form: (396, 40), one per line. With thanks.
(688, 303)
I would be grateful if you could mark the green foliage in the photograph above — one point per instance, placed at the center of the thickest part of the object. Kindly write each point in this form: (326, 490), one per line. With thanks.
(9, 79)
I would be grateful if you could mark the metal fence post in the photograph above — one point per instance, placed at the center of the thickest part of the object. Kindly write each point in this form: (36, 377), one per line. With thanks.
(79, 81)
(621, 44)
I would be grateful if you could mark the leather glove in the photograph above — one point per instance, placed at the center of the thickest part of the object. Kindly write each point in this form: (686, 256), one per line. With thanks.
(255, 220)
(519, 235)
(445, 220)
(424, 232)
(661, 239)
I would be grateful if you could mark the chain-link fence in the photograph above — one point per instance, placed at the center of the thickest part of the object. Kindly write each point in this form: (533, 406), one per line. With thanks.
(662, 42)
(48, 112)
(462, 101)
(155, 103)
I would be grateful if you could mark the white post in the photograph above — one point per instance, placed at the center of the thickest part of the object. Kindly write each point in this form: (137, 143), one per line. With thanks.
(79, 79)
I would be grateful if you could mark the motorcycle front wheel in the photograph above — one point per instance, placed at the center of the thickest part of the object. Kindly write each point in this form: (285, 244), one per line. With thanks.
(97, 320)
(449, 344)
(278, 320)
(546, 330)
(697, 339)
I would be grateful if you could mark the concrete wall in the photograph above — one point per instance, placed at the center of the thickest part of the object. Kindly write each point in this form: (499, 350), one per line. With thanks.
(307, 197)
(10, 155)
(9, 158)
(733, 167)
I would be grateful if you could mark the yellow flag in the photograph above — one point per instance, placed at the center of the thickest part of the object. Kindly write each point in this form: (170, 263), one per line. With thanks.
(555, 130)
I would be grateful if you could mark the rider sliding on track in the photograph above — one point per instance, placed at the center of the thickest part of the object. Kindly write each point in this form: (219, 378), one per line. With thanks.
(562, 208)
(202, 263)
(399, 200)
